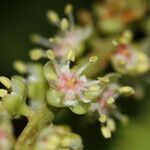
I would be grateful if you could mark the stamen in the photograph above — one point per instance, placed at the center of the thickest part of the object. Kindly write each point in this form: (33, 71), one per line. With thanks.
(71, 55)
(20, 66)
(53, 17)
(69, 13)
(64, 24)
(50, 54)
(79, 72)
(36, 54)
(5, 81)
(37, 39)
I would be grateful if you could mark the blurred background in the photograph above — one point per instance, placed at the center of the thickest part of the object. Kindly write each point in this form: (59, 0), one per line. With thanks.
(21, 18)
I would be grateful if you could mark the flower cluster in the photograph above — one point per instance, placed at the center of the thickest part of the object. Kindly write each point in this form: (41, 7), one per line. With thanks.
(84, 86)
(58, 138)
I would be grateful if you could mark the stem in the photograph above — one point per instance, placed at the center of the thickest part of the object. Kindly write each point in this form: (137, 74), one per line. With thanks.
(37, 121)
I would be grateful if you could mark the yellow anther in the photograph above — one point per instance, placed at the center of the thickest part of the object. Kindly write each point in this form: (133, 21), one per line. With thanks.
(53, 17)
(106, 132)
(126, 90)
(68, 9)
(111, 124)
(92, 59)
(64, 24)
(20, 66)
(71, 55)
(36, 54)
(3, 92)
(102, 118)
(111, 100)
(50, 54)
(104, 80)
(5, 81)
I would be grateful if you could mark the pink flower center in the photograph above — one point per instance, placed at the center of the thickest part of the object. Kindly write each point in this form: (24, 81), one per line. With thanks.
(69, 82)
(124, 50)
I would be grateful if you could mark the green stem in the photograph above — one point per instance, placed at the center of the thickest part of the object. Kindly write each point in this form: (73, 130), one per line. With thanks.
(37, 121)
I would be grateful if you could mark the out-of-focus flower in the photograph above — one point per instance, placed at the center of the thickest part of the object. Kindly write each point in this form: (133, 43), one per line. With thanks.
(58, 138)
(128, 59)
(106, 107)
(69, 37)
(68, 87)
(114, 15)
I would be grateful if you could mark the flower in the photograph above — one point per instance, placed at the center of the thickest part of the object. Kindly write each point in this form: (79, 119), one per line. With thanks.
(69, 86)
(128, 60)
(105, 105)
(114, 15)
(70, 36)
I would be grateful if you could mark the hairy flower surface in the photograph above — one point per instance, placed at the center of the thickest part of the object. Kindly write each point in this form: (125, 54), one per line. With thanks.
(72, 85)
